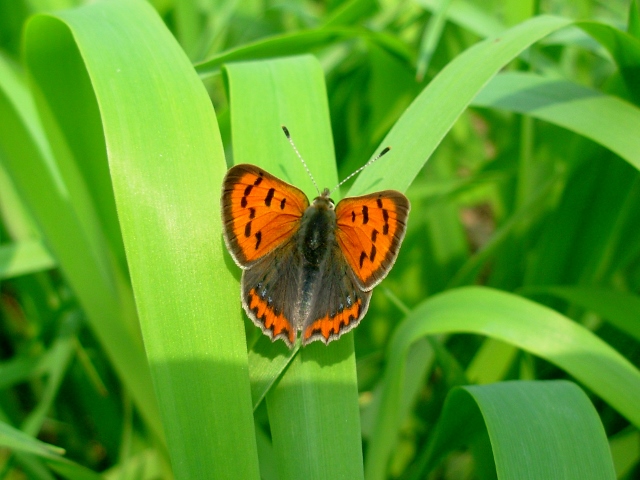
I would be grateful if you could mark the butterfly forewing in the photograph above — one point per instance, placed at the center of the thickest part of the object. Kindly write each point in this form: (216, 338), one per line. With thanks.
(260, 212)
(369, 232)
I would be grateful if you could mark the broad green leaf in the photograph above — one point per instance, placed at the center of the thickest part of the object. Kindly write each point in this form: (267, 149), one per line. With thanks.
(166, 164)
(538, 430)
(313, 409)
(602, 118)
(520, 322)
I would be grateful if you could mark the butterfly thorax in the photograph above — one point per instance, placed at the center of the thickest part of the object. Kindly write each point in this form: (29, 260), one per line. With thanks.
(317, 230)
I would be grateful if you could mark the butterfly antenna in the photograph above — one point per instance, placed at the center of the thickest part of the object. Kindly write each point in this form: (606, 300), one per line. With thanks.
(383, 152)
(286, 132)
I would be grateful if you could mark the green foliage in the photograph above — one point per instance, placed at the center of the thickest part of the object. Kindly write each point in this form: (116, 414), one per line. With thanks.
(506, 340)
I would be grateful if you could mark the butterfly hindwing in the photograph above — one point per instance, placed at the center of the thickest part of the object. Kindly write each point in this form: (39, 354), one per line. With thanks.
(269, 292)
(259, 211)
(369, 232)
(337, 304)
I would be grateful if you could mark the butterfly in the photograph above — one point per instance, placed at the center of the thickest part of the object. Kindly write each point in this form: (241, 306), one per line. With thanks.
(308, 267)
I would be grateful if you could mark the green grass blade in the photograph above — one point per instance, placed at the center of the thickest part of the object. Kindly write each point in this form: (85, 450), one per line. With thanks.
(313, 409)
(279, 45)
(166, 163)
(634, 19)
(619, 308)
(297, 43)
(511, 319)
(267, 361)
(423, 125)
(625, 449)
(67, 230)
(350, 12)
(469, 16)
(19, 441)
(537, 430)
(605, 119)
(22, 258)
(623, 47)
(431, 38)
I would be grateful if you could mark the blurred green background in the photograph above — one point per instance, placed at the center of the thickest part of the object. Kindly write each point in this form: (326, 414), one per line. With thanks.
(505, 342)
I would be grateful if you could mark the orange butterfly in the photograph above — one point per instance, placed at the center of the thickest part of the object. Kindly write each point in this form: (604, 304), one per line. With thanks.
(308, 268)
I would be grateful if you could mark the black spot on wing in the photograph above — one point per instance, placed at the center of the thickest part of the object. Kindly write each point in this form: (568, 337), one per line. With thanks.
(247, 229)
(362, 257)
(284, 200)
(269, 197)
(385, 216)
(247, 190)
(258, 239)
(373, 253)
(365, 214)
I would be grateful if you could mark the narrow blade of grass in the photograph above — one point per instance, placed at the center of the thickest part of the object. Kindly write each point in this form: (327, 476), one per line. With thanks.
(22, 258)
(424, 124)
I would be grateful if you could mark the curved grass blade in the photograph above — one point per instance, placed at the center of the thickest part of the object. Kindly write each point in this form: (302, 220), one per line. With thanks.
(313, 408)
(537, 429)
(166, 163)
(619, 308)
(605, 119)
(424, 124)
(511, 319)
(68, 228)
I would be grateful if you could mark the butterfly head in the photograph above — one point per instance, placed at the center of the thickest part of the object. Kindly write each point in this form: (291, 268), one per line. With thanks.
(323, 201)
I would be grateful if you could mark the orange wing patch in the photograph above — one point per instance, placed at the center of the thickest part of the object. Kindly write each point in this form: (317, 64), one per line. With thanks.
(331, 326)
(370, 231)
(274, 325)
(260, 212)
